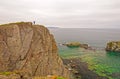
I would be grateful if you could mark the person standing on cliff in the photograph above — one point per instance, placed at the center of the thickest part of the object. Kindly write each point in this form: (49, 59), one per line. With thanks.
(34, 22)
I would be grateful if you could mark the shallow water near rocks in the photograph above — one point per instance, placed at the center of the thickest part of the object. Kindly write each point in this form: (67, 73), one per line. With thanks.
(106, 64)
(103, 63)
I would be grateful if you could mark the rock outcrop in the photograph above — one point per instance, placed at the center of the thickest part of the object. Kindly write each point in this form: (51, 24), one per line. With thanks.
(29, 49)
(113, 46)
(76, 44)
(72, 44)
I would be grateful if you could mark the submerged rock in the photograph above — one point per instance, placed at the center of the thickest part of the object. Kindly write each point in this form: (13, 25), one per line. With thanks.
(29, 48)
(113, 46)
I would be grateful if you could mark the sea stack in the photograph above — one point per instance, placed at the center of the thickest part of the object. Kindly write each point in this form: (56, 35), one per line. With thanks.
(30, 50)
(113, 46)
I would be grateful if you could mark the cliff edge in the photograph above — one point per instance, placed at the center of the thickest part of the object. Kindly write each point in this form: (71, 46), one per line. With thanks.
(29, 48)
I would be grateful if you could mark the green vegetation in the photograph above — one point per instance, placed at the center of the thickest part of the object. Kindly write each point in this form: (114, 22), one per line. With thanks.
(100, 68)
(6, 73)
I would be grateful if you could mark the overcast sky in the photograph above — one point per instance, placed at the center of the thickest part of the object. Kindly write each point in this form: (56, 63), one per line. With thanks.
(63, 13)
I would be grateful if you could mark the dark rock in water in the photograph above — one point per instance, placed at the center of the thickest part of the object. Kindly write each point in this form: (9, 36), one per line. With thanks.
(80, 69)
(30, 48)
(113, 46)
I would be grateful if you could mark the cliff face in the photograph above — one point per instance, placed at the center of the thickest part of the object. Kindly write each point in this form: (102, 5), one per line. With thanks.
(29, 48)
(113, 46)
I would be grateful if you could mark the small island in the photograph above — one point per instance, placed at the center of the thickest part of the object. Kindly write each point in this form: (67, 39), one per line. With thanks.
(113, 46)
(76, 44)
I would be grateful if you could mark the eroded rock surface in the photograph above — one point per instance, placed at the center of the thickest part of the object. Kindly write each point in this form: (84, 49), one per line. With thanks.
(29, 48)
(113, 46)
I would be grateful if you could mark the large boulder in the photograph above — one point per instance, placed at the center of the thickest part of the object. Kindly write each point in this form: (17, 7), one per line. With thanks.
(29, 48)
(113, 46)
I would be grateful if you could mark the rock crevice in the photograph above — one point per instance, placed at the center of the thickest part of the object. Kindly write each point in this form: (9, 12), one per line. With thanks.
(32, 48)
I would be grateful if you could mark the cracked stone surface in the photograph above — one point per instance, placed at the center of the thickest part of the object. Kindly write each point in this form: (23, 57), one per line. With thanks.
(30, 48)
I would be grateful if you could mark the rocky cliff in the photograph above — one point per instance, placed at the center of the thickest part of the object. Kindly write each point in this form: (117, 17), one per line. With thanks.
(113, 46)
(30, 50)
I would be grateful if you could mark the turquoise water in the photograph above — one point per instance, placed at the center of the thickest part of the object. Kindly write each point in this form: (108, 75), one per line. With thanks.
(103, 63)
(99, 61)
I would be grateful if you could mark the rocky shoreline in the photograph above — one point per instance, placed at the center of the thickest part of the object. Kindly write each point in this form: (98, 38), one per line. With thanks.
(113, 46)
(28, 50)
(80, 69)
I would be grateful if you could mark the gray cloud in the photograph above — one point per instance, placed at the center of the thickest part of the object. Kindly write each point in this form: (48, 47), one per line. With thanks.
(63, 13)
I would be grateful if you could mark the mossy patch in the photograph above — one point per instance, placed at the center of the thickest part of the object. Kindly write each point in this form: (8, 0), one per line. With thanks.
(6, 73)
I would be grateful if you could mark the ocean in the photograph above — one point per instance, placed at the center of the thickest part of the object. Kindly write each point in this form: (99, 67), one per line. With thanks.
(106, 64)
(93, 37)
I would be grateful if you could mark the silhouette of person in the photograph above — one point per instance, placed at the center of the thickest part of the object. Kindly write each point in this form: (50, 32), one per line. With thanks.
(33, 22)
